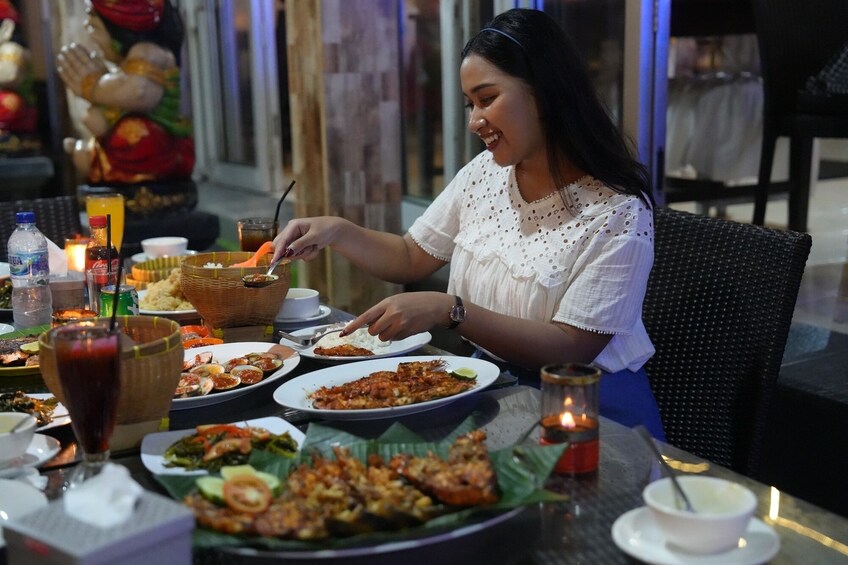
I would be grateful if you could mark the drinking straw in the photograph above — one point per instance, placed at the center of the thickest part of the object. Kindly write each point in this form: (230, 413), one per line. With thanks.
(108, 243)
(115, 299)
(280, 203)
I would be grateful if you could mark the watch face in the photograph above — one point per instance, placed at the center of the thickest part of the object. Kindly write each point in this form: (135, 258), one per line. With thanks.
(457, 313)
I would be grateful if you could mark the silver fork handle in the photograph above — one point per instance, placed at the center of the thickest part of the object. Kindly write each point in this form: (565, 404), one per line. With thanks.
(302, 341)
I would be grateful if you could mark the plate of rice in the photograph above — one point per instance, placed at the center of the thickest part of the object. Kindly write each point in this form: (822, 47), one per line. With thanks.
(358, 346)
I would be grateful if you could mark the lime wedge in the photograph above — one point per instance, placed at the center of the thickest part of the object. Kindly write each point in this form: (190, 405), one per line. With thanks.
(31, 347)
(464, 373)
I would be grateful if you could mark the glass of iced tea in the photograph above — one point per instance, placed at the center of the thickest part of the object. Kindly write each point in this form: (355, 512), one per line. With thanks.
(87, 356)
(253, 232)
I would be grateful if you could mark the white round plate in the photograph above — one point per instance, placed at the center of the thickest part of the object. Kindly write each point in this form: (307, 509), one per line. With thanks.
(323, 312)
(139, 257)
(60, 412)
(41, 450)
(636, 534)
(393, 349)
(223, 353)
(163, 313)
(4, 271)
(295, 393)
(17, 499)
(153, 446)
(6, 328)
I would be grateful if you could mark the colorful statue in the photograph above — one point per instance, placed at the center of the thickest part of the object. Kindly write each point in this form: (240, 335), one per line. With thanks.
(133, 85)
(18, 115)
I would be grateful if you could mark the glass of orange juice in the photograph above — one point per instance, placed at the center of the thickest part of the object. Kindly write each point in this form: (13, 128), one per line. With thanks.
(112, 204)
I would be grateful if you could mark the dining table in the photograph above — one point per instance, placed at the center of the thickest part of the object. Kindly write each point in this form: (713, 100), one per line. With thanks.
(577, 529)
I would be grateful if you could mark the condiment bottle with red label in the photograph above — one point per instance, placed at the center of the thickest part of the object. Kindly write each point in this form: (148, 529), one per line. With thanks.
(97, 254)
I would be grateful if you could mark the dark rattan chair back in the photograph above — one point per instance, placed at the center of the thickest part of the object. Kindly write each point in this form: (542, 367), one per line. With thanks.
(57, 218)
(718, 307)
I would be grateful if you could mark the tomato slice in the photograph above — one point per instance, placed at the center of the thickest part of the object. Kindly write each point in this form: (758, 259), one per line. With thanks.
(247, 493)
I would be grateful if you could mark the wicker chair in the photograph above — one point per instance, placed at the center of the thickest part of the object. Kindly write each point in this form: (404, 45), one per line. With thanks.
(718, 307)
(57, 218)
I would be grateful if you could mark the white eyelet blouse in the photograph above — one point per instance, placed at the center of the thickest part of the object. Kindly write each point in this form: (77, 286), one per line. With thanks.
(585, 265)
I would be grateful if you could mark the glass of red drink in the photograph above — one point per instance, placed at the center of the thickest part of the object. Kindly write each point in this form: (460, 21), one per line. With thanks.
(87, 358)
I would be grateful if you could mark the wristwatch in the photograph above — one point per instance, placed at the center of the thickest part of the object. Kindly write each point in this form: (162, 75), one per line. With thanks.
(457, 313)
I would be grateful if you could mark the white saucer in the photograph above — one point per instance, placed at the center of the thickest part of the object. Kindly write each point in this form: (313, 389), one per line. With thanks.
(323, 312)
(17, 499)
(636, 534)
(6, 328)
(41, 450)
(139, 257)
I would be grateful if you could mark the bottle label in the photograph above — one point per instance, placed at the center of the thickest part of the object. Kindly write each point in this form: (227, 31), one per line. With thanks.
(104, 264)
(29, 264)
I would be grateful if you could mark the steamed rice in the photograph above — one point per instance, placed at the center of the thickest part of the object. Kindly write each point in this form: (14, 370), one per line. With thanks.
(359, 338)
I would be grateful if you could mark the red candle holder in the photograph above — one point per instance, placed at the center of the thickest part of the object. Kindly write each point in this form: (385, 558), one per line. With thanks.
(570, 414)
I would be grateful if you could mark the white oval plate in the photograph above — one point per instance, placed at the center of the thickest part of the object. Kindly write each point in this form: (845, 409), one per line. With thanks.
(223, 353)
(323, 312)
(295, 393)
(393, 349)
(163, 313)
(153, 446)
(6, 328)
(636, 534)
(41, 450)
(60, 412)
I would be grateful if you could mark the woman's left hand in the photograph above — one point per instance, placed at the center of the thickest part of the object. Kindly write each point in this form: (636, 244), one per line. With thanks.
(402, 315)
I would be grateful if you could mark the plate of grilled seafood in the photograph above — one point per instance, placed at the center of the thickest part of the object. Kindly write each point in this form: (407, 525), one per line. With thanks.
(48, 411)
(386, 388)
(18, 354)
(358, 346)
(217, 373)
(207, 448)
(343, 497)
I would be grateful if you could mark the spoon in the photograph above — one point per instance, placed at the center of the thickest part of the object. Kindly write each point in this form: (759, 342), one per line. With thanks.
(263, 249)
(260, 280)
(20, 425)
(646, 435)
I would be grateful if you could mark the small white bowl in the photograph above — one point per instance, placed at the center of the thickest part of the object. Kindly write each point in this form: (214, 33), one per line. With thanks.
(164, 246)
(13, 445)
(723, 510)
(300, 303)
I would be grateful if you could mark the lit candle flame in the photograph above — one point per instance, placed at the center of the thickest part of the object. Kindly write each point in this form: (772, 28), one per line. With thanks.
(567, 420)
(75, 253)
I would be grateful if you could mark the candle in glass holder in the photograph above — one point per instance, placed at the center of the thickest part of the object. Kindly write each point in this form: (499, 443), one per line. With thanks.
(75, 252)
(570, 414)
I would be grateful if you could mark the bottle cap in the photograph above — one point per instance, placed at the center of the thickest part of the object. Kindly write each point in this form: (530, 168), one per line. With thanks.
(97, 222)
(25, 217)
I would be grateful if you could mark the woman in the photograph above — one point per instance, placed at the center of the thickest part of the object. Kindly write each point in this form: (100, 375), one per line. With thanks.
(549, 231)
(139, 134)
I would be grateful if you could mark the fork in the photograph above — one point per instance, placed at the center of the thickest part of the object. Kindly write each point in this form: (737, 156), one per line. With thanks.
(308, 341)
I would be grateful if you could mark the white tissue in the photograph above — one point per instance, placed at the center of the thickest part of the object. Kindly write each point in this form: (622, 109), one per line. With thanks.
(105, 500)
(58, 260)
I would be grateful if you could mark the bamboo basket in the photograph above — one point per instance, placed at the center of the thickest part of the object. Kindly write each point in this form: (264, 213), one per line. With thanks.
(154, 270)
(219, 295)
(150, 370)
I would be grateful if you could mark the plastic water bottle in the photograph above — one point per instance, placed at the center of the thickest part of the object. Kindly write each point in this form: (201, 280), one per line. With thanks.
(32, 303)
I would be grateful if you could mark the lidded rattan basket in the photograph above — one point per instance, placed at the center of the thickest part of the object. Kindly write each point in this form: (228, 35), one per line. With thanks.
(150, 371)
(219, 295)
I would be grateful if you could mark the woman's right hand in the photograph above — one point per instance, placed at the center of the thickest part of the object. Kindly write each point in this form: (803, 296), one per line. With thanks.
(303, 238)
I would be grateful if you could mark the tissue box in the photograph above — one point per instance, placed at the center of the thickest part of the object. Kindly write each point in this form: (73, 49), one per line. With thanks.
(68, 291)
(158, 532)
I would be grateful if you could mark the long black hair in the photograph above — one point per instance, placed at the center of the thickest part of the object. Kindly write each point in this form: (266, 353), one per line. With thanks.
(529, 45)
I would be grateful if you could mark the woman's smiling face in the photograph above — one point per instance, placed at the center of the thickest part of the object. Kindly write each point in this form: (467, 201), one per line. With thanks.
(502, 112)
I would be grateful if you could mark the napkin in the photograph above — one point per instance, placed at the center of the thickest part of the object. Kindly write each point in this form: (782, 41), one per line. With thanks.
(57, 259)
(105, 500)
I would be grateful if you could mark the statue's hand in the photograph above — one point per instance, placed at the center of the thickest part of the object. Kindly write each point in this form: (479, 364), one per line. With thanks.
(80, 69)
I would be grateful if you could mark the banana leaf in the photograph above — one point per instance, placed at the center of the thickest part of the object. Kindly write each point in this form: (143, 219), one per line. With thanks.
(521, 473)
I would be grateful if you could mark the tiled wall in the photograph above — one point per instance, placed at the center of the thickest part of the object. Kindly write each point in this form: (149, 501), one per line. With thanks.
(346, 128)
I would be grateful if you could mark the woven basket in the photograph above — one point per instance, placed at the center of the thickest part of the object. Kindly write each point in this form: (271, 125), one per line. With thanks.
(219, 295)
(150, 371)
(154, 270)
